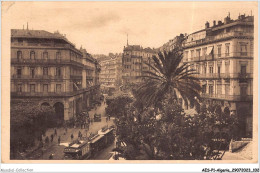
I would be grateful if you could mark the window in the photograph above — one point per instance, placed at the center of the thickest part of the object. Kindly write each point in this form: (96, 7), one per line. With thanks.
(192, 54)
(219, 68)
(32, 55)
(198, 53)
(211, 69)
(19, 54)
(227, 88)
(20, 41)
(227, 49)
(19, 73)
(198, 68)
(58, 71)
(219, 88)
(45, 87)
(45, 55)
(19, 87)
(58, 55)
(45, 70)
(32, 72)
(204, 88)
(210, 89)
(243, 91)
(243, 49)
(227, 68)
(219, 50)
(32, 88)
(243, 69)
(186, 55)
(204, 51)
(58, 87)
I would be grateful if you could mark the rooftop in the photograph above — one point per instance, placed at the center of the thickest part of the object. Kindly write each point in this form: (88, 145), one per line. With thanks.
(26, 33)
(139, 48)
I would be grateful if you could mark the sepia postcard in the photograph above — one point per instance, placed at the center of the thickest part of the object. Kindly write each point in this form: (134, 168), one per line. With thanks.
(129, 82)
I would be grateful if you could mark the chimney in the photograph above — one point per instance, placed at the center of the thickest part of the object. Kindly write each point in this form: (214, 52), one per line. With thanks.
(219, 22)
(206, 25)
(214, 23)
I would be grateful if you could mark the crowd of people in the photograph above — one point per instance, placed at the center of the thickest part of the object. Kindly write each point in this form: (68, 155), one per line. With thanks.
(81, 121)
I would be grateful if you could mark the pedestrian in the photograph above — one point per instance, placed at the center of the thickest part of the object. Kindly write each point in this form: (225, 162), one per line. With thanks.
(51, 156)
(79, 134)
(59, 140)
(71, 136)
(41, 144)
(47, 140)
(52, 137)
(55, 132)
(106, 119)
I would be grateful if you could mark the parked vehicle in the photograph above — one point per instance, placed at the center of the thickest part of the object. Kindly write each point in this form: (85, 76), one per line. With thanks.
(97, 118)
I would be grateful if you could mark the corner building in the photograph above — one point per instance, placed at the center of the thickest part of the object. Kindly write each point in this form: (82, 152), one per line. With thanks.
(222, 55)
(47, 69)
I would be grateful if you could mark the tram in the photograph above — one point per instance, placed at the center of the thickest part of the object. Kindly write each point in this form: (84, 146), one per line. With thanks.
(77, 151)
(89, 148)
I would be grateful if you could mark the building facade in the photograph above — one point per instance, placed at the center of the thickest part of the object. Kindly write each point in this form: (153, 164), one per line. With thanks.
(47, 69)
(173, 43)
(111, 72)
(134, 61)
(222, 55)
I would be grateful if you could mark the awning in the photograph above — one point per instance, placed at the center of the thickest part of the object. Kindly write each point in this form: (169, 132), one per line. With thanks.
(209, 50)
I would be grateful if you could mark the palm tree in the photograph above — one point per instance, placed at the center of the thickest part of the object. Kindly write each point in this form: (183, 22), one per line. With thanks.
(168, 76)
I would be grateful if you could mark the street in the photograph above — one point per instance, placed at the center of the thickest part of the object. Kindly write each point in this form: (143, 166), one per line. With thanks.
(57, 150)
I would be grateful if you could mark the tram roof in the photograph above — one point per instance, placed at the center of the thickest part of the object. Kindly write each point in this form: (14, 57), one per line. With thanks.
(96, 139)
(76, 145)
(105, 132)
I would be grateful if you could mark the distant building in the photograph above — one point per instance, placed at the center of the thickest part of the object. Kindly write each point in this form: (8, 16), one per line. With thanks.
(173, 43)
(111, 72)
(47, 69)
(134, 62)
(223, 55)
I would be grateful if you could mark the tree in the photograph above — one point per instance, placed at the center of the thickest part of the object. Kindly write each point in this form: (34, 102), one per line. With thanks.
(117, 106)
(170, 134)
(28, 122)
(168, 77)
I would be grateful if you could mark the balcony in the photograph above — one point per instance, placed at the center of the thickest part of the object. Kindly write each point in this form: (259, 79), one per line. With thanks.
(46, 61)
(50, 94)
(76, 77)
(227, 97)
(36, 77)
(224, 76)
(209, 39)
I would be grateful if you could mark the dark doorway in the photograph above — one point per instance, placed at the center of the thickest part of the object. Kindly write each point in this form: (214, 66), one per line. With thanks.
(59, 110)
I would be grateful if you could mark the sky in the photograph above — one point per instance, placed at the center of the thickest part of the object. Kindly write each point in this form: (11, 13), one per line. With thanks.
(102, 27)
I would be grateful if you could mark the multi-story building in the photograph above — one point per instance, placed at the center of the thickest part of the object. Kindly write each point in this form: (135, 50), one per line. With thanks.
(173, 43)
(134, 62)
(47, 69)
(222, 55)
(111, 71)
(91, 76)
